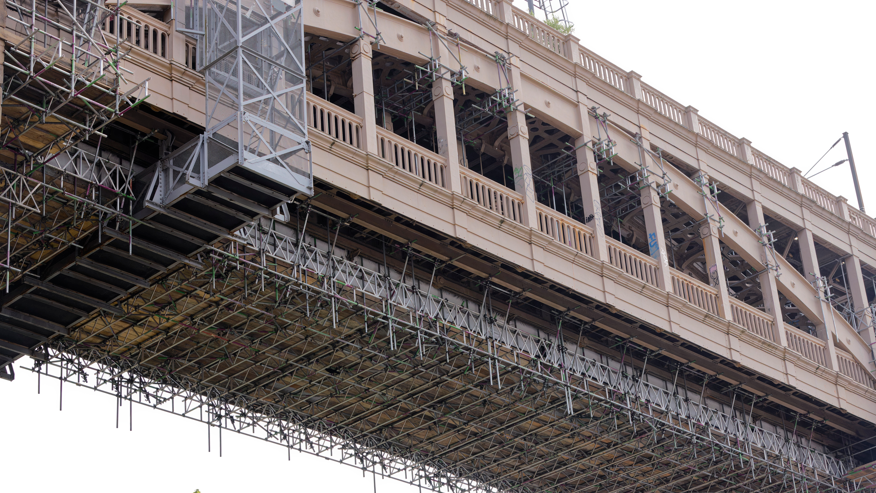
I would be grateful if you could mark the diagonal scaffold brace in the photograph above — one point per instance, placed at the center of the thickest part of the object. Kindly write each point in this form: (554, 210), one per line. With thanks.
(369, 8)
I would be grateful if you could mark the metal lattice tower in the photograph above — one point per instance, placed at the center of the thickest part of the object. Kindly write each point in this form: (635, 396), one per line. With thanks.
(253, 64)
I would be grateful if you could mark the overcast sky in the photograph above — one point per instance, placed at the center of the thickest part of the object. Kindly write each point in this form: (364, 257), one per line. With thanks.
(789, 76)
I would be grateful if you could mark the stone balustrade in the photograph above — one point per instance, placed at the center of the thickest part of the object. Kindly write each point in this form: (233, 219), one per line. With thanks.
(811, 347)
(334, 121)
(632, 262)
(412, 158)
(492, 196)
(564, 229)
(538, 31)
(753, 320)
(695, 292)
(141, 30)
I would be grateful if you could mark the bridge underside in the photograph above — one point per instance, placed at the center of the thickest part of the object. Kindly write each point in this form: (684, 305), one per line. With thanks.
(266, 335)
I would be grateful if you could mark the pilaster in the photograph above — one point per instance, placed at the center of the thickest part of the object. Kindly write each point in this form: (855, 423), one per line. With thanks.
(717, 277)
(692, 119)
(635, 81)
(710, 235)
(572, 45)
(506, 13)
(588, 175)
(795, 180)
(842, 208)
(518, 139)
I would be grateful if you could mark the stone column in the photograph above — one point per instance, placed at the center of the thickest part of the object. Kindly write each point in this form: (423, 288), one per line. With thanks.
(768, 285)
(518, 139)
(715, 262)
(811, 271)
(445, 126)
(710, 234)
(653, 219)
(588, 174)
(445, 119)
(858, 290)
(363, 93)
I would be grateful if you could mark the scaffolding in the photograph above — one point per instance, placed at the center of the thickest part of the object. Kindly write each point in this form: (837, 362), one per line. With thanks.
(550, 180)
(471, 122)
(317, 346)
(623, 196)
(406, 97)
(709, 191)
(767, 241)
(66, 87)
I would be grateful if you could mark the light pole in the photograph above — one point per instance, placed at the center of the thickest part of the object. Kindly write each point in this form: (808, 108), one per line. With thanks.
(854, 171)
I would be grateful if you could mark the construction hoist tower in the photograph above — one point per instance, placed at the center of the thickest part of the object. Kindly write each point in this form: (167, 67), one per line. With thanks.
(252, 58)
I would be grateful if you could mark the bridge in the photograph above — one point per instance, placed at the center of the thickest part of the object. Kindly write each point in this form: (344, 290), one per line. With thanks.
(440, 241)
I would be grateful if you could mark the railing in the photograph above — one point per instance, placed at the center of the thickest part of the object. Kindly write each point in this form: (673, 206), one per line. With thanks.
(538, 31)
(604, 69)
(492, 196)
(771, 167)
(631, 261)
(862, 221)
(719, 137)
(810, 347)
(850, 368)
(695, 292)
(564, 229)
(412, 158)
(141, 31)
(754, 320)
(664, 105)
(333, 121)
(820, 196)
(488, 6)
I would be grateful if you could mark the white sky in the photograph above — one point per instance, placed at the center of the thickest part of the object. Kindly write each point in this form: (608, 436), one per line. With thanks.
(789, 76)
